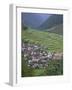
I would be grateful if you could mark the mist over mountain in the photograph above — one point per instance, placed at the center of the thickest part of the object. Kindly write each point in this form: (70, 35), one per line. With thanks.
(41, 21)
(52, 21)
(33, 20)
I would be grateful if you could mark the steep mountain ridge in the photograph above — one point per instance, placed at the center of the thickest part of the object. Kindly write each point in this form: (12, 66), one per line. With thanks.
(52, 21)
(58, 29)
(40, 20)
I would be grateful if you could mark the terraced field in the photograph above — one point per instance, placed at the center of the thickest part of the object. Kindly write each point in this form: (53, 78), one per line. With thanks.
(50, 42)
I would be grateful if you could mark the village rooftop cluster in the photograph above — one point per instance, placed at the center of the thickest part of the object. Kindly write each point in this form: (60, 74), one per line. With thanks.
(37, 57)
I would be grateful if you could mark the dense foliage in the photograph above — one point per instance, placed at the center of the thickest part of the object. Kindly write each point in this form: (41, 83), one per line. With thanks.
(24, 27)
(26, 71)
(55, 67)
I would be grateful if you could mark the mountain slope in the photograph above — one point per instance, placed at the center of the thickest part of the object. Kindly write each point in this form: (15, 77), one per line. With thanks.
(51, 21)
(40, 20)
(33, 20)
(58, 29)
(53, 42)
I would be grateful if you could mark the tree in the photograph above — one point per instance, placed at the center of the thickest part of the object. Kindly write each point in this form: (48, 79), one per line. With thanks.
(24, 27)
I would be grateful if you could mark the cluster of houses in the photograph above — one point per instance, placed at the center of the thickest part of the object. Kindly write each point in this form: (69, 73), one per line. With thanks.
(36, 56)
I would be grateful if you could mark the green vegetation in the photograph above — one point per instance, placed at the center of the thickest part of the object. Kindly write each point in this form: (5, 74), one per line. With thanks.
(39, 72)
(52, 42)
(55, 67)
(26, 71)
(58, 29)
(24, 27)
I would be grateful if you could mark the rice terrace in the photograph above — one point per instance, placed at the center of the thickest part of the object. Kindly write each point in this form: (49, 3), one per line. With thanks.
(41, 44)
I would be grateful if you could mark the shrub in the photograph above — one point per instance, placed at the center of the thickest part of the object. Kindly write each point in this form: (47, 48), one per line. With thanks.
(24, 27)
(55, 67)
(25, 70)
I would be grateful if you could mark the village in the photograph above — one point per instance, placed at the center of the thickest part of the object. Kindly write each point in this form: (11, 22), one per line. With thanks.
(37, 57)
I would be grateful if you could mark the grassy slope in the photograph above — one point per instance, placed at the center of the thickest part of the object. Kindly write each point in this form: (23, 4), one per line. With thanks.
(58, 29)
(52, 41)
